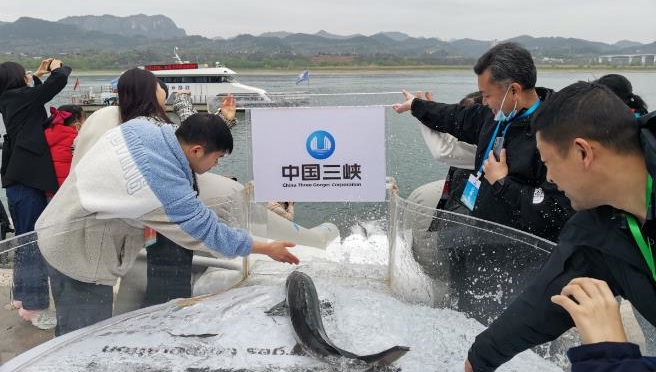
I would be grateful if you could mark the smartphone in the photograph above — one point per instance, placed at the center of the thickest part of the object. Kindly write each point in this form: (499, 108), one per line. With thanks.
(496, 148)
(171, 98)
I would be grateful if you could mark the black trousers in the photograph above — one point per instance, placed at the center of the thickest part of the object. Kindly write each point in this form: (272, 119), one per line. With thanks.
(169, 272)
(78, 304)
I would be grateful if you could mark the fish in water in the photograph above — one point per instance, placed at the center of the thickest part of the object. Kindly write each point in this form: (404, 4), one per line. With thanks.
(303, 306)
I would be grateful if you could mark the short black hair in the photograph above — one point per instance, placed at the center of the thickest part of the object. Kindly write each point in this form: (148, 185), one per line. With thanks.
(207, 130)
(12, 76)
(590, 111)
(508, 63)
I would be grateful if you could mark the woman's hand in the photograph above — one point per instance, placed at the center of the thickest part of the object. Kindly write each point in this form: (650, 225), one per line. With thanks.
(55, 64)
(43, 67)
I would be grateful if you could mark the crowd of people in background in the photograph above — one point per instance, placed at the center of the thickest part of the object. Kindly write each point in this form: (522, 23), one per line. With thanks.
(544, 162)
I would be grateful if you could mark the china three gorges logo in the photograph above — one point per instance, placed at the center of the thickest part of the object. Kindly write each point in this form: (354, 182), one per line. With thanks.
(320, 144)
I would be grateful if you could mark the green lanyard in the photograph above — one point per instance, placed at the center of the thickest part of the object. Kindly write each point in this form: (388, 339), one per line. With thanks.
(644, 246)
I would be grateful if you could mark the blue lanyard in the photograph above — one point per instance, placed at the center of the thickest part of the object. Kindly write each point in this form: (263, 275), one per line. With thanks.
(505, 130)
(530, 109)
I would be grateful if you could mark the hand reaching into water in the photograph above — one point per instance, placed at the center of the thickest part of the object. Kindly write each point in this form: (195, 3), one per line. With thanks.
(593, 308)
(276, 250)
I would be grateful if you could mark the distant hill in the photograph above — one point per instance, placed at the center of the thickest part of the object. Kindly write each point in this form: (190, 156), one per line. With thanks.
(642, 48)
(471, 47)
(626, 44)
(328, 35)
(35, 36)
(278, 34)
(394, 35)
(559, 47)
(152, 27)
(99, 42)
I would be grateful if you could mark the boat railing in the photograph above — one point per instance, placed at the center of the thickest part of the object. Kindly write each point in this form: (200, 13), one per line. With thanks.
(88, 94)
(99, 95)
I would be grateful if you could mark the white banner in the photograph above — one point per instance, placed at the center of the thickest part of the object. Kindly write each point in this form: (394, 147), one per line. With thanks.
(328, 154)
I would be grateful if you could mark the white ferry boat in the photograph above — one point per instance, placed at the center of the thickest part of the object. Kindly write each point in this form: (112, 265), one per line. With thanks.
(208, 85)
(206, 82)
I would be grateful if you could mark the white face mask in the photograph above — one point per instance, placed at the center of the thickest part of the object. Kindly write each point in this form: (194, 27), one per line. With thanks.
(501, 116)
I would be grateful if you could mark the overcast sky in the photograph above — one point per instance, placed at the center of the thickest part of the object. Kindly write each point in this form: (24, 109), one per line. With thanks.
(597, 20)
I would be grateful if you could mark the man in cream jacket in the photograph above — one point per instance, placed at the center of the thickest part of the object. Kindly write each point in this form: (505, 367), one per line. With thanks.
(135, 175)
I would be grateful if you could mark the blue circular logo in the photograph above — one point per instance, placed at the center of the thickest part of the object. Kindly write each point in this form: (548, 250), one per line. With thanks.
(320, 144)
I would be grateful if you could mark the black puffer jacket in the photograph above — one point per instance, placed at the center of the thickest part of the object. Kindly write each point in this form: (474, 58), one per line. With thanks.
(526, 201)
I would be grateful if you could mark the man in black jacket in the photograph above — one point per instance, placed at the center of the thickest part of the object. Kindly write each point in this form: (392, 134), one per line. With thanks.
(591, 144)
(512, 189)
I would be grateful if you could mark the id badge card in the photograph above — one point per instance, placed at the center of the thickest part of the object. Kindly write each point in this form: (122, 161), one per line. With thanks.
(470, 194)
(150, 236)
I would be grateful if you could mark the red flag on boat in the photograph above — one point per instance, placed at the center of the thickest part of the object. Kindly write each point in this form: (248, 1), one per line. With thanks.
(77, 83)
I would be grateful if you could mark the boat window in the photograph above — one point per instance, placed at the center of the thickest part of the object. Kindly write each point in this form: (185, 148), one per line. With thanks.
(196, 79)
(171, 79)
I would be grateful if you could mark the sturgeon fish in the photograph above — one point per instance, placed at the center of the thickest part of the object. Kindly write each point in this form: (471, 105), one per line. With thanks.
(303, 306)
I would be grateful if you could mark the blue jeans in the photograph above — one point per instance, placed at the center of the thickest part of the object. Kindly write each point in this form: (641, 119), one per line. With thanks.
(30, 271)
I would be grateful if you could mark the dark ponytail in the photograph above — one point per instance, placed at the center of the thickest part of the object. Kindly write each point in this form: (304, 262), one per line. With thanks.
(638, 105)
(622, 87)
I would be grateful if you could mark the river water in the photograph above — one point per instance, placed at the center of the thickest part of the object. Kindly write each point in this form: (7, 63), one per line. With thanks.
(408, 159)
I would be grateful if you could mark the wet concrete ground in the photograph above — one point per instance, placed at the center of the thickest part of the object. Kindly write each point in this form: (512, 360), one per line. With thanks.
(16, 335)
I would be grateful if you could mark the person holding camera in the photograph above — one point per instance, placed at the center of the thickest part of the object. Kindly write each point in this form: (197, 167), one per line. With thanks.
(27, 172)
